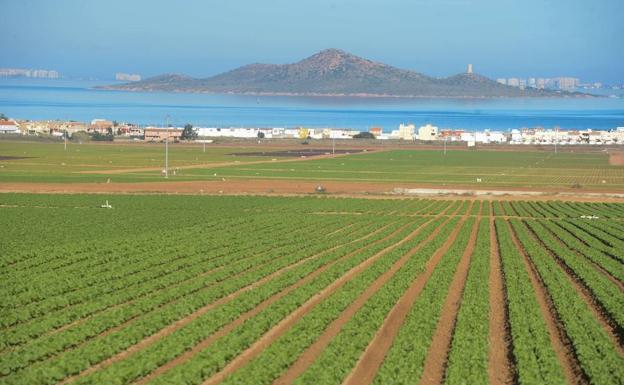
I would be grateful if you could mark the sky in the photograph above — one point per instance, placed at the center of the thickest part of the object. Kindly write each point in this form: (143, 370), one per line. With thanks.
(201, 38)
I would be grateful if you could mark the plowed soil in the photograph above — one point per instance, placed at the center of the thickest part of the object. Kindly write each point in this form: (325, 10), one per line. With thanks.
(274, 187)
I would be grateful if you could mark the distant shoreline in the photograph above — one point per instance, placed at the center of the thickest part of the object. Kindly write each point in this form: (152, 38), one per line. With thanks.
(574, 95)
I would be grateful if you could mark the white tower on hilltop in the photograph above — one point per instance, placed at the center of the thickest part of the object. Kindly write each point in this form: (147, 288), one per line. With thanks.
(469, 71)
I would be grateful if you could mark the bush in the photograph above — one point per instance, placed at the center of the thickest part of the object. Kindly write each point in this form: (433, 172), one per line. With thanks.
(364, 135)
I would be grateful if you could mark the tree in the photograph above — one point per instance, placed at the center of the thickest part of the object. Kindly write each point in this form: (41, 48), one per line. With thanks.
(3, 116)
(189, 133)
(364, 135)
(80, 136)
(260, 135)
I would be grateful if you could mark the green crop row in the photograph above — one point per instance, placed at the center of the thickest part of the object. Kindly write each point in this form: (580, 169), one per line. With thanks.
(404, 362)
(92, 352)
(188, 273)
(605, 292)
(273, 361)
(42, 348)
(181, 297)
(132, 273)
(590, 247)
(592, 346)
(615, 246)
(469, 354)
(215, 356)
(535, 359)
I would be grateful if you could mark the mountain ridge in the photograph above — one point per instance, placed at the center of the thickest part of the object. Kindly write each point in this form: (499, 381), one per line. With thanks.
(334, 72)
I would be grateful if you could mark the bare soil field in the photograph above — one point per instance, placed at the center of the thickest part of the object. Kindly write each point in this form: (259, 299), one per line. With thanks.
(616, 159)
(283, 187)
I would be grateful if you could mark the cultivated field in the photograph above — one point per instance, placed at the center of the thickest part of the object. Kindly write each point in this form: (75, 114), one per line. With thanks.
(311, 290)
(572, 170)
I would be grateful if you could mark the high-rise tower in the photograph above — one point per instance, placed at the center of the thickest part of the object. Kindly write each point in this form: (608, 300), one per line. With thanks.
(469, 71)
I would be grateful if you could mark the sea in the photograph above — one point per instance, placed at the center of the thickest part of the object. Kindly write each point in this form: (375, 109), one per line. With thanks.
(47, 99)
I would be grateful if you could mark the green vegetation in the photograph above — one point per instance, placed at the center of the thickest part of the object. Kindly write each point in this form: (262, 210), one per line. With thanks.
(143, 162)
(174, 289)
(493, 168)
(48, 162)
(468, 358)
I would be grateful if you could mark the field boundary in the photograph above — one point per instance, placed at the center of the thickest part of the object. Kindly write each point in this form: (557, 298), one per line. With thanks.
(293, 187)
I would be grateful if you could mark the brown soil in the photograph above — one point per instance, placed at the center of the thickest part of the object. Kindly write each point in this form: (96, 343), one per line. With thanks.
(186, 320)
(281, 188)
(365, 370)
(499, 368)
(313, 351)
(437, 356)
(558, 338)
(616, 159)
(283, 326)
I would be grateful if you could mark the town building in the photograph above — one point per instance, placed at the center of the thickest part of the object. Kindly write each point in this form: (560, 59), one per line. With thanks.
(101, 126)
(451, 135)
(9, 127)
(377, 131)
(428, 132)
(127, 77)
(158, 134)
(566, 83)
(406, 131)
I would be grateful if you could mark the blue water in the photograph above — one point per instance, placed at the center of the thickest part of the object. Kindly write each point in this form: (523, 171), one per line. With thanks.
(37, 99)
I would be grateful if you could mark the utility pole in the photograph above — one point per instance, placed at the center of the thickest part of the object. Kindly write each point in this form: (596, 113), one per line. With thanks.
(167, 146)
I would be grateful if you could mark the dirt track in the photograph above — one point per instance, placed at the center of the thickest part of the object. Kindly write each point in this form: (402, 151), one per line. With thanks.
(294, 187)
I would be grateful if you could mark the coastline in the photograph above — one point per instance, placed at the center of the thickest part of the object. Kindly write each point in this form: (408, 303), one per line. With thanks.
(568, 95)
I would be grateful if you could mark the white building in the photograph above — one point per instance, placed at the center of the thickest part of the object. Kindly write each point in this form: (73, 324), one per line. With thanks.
(9, 127)
(406, 131)
(428, 132)
(486, 136)
(514, 82)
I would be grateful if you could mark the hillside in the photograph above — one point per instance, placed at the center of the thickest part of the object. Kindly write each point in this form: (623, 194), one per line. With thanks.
(337, 73)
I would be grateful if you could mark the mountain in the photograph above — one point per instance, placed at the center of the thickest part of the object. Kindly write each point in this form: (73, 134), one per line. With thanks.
(333, 72)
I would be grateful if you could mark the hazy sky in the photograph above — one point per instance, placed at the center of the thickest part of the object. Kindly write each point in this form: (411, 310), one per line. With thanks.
(582, 38)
